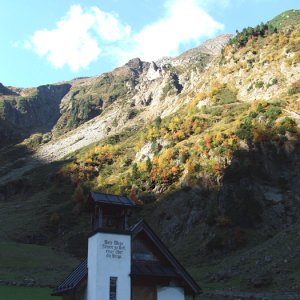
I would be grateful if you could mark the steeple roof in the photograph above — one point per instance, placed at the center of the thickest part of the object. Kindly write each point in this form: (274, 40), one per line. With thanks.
(112, 199)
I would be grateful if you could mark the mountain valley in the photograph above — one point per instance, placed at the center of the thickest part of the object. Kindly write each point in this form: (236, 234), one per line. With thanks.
(207, 143)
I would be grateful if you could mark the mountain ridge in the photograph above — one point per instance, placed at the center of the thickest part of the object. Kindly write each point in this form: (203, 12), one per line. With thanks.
(144, 95)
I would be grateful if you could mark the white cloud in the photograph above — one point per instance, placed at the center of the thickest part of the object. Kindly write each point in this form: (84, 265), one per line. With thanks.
(74, 41)
(185, 21)
(217, 3)
(83, 34)
(109, 27)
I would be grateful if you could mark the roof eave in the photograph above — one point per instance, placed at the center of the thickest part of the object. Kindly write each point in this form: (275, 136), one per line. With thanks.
(62, 292)
(191, 283)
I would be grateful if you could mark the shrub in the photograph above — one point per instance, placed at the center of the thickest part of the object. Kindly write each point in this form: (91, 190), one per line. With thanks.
(184, 155)
(253, 114)
(272, 112)
(217, 243)
(243, 208)
(260, 108)
(245, 131)
(132, 113)
(212, 213)
(148, 165)
(134, 171)
(34, 141)
(294, 90)
(80, 194)
(54, 219)
(287, 124)
(224, 96)
(157, 122)
(262, 133)
(214, 111)
(259, 84)
(147, 197)
(251, 33)
(223, 221)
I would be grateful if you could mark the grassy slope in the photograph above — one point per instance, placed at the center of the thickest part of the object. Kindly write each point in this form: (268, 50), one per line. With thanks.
(287, 18)
(23, 293)
(39, 263)
(30, 217)
(279, 257)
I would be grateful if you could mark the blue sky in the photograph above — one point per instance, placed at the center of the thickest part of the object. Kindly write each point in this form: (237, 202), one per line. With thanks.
(55, 40)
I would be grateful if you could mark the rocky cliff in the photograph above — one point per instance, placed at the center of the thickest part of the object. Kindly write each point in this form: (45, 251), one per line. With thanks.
(27, 111)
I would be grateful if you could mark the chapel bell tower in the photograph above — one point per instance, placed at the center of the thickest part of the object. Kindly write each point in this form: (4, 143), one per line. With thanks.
(109, 248)
(110, 211)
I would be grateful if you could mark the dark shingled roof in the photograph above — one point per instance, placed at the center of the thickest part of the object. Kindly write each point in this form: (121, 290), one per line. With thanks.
(112, 199)
(73, 279)
(152, 269)
(142, 226)
(139, 268)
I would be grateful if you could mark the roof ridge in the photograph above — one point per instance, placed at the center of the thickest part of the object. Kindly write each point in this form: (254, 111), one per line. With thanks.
(109, 194)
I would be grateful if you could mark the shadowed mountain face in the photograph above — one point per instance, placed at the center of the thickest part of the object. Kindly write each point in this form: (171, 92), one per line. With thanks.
(207, 141)
(4, 91)
(30, 111)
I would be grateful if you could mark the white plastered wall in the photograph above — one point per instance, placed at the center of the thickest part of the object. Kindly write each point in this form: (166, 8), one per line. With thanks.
(170, 293)
(109, 255)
